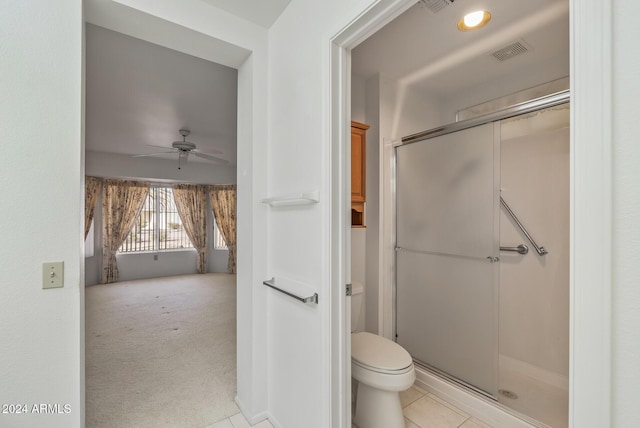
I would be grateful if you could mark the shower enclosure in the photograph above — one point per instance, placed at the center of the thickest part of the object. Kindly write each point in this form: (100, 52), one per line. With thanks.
(482, 287)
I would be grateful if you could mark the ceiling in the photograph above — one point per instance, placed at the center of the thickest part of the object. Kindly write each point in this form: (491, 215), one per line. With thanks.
(426, 49)
(261, 12)
(138, 93)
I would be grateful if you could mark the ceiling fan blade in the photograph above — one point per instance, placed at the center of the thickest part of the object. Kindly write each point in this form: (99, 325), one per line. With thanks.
(209, 157)
(163, 147)
(211, 150)
(153, 154)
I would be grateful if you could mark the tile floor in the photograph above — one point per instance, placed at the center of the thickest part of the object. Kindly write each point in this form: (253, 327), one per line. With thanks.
(239, 421)
(424, 410)
(421, 410)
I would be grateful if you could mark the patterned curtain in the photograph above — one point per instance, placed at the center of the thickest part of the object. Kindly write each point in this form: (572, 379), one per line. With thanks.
(122, 201)
(91, 189)
(191, 201)
(223, 202)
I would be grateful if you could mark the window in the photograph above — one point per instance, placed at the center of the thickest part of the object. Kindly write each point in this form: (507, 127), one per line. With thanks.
(158, 227)
(218, 239)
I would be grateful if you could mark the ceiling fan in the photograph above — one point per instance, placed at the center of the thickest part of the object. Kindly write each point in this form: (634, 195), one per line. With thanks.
(184, 148)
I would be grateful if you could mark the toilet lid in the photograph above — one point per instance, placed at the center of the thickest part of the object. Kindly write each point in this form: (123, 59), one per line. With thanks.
(378, 352)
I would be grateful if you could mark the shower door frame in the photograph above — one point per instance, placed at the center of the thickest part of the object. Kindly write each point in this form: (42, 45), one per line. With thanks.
(537, 104)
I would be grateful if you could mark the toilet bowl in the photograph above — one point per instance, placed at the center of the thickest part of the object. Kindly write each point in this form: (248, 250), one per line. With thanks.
(383, 369)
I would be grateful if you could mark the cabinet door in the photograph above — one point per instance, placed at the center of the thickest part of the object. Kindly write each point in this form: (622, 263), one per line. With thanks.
(358, 172)
(358, 162)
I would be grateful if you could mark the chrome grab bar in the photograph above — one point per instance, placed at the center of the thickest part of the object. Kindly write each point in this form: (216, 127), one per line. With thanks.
(540, 250)
(520, 249)
(311, 299)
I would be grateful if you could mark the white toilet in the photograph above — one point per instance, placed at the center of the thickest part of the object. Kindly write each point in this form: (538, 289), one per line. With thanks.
(382, 368)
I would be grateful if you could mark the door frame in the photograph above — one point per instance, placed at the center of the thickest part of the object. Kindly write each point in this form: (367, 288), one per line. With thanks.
(590, 205)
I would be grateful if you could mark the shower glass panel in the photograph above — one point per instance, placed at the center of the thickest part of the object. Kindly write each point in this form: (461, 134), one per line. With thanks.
(496, 322)
(533, 369)
(446, 234)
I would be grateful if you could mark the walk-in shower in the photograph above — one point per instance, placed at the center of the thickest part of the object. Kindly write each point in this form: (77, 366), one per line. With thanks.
(482, 255)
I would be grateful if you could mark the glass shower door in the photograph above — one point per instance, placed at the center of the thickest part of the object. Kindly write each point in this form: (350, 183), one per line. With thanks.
(533, 362)
(447, 240)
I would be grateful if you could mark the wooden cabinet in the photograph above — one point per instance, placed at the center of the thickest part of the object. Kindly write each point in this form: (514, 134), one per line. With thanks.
(358, 172)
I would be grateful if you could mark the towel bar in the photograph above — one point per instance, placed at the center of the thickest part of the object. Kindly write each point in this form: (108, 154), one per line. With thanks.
(311, 299)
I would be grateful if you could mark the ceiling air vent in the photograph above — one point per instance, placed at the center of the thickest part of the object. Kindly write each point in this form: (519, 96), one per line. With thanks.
(434, 6)
(510, 51)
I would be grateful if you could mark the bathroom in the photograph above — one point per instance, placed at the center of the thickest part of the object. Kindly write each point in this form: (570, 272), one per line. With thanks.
(399, 89)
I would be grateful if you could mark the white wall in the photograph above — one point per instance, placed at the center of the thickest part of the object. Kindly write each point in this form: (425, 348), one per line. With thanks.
(408, 109)
(393, 111)
(41, 64)
(374, 105)
(300, 238)
(358, 268)
(139, 266)
(626, 215)
(358, 98)
(296, 235)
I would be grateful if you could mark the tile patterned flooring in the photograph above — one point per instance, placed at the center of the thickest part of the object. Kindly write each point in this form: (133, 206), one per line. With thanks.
(421, 410)
(424, 410)
(239, 421)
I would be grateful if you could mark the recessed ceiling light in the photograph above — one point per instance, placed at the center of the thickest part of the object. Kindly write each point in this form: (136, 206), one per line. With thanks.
(474, 20)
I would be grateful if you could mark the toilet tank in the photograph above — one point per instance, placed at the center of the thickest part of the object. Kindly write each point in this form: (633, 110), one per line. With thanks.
(357, 299)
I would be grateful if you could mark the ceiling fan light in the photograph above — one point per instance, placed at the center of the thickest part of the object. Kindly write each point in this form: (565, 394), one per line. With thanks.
(182, 158)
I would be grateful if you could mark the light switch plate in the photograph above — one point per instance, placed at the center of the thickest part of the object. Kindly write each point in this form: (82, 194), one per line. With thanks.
(53, 275)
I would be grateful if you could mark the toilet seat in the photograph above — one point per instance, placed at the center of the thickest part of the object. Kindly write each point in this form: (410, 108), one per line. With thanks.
(383, 371)
(379, 354)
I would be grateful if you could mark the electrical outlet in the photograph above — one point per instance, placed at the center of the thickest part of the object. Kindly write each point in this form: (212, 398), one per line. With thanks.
(53, 275)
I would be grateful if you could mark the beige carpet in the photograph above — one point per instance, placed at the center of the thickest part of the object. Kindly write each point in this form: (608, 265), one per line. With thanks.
(161, 352)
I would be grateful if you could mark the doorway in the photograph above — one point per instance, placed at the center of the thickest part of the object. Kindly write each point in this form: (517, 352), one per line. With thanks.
(588, 346)
(240, 59)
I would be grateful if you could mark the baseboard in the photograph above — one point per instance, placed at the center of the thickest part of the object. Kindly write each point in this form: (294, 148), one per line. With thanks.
(274, 422)
(254, 419)
(468, 402)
